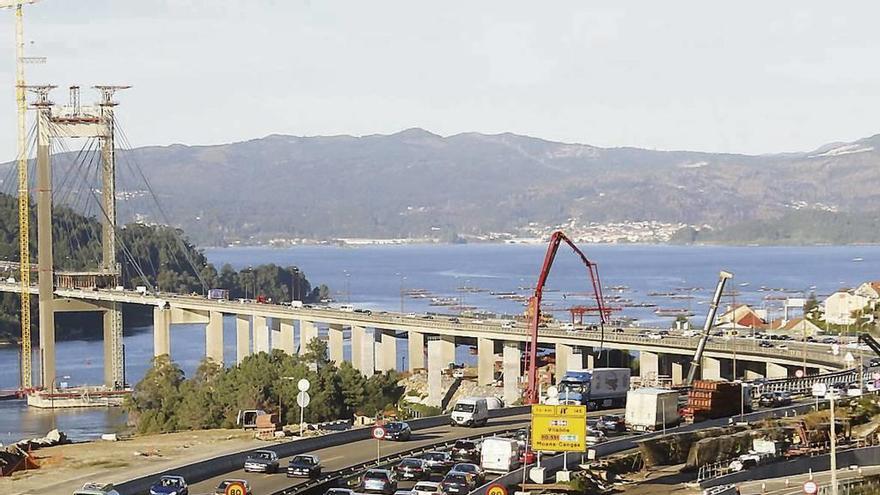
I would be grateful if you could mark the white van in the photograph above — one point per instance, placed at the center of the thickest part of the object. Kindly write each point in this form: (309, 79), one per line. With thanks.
(499, 455)
(470, 411)
(346, 307)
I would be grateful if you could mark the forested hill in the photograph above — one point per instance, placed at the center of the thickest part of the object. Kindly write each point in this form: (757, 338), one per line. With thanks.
(418, 184)
(150, 255)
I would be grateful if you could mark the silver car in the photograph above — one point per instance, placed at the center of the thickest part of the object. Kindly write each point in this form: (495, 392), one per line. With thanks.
(379, 481)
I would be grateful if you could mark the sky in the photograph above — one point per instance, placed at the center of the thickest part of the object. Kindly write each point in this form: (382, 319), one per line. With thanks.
(746, 76)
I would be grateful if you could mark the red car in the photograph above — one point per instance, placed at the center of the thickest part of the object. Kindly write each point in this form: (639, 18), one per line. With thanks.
(527, 456)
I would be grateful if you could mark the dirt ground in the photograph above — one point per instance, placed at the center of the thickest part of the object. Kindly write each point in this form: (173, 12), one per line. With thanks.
(665, 480)
(65, 468)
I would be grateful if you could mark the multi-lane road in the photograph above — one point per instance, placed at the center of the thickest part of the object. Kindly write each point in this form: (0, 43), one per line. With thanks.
(343, 456)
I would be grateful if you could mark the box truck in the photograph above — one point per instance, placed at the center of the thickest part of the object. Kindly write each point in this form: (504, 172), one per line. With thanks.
(595, 388)
(650, 409)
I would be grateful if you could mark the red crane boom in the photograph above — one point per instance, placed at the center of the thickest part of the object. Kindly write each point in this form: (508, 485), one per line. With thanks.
(535, 306)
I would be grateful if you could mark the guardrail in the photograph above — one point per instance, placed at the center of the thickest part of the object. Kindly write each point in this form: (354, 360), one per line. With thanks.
(215, 466)
(805, 384)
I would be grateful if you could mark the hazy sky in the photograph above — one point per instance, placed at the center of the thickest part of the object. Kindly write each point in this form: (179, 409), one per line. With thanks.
(746, 76)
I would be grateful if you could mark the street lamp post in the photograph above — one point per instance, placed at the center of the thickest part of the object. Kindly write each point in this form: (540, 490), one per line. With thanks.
(833, 449)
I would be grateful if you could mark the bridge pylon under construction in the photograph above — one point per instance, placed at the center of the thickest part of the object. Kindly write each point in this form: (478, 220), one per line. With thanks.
(56, 122)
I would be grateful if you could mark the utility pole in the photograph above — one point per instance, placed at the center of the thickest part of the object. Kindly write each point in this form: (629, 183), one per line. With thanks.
(833, 449)
(26, 378)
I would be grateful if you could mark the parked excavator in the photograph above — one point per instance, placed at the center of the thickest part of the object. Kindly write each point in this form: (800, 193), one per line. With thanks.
(707, 327)
(534, 308)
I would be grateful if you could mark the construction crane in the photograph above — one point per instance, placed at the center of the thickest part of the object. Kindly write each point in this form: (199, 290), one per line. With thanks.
(534, 310)
(26, 379)
(707, 327)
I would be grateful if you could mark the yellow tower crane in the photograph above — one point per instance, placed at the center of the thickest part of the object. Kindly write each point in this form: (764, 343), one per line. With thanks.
(23, 193)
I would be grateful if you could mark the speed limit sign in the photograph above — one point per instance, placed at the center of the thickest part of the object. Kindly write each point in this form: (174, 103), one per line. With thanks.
(799, 373)
(810, 487)
(496, 489)
(235, 488)
(378, 433)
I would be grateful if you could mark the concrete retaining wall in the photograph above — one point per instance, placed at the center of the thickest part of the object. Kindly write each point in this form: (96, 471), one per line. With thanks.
(216, 466)
(857, 457)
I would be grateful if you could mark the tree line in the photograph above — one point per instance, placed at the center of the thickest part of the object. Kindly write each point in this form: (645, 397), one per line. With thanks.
(151, 255)
(165, 400)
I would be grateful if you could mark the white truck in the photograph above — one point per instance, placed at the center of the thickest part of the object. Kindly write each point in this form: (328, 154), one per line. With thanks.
(470, 411)
(499, 455)
(649, 409)
(595, 388)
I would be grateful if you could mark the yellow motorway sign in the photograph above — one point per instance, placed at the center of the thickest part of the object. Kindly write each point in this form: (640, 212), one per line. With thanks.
(559, 428)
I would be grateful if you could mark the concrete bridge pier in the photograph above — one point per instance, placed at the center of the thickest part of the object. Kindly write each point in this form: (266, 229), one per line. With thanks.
(242, 337)
(335, 339)
(565, 360)
(386, 350)
(752, 369)
(161, 331)
(415, 344)
(308, 331)
(485, 361)
(362, 349)
(448, 347)
(214, 337)
(284, 336)
(776, 371)
(711, 368)
(436, 363)
(678, 371)
(511, 360)
(649, 365)
(260, 330)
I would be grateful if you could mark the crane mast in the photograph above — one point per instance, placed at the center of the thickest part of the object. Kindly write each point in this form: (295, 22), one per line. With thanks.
(26, 378)
(707, 327)
(534, 311)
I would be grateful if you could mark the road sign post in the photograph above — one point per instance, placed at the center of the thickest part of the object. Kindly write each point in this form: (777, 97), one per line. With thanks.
(810, 487)
(302, 399)
(559, 428)
(378, 434)
(235, 488)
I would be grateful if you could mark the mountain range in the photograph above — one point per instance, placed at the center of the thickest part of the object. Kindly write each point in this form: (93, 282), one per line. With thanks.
(416, 184)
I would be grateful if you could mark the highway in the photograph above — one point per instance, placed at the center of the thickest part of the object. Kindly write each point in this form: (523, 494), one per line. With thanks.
(343, 456)
(791, 353)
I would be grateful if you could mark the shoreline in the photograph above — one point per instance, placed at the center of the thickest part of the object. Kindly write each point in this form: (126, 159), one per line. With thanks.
(521, 242)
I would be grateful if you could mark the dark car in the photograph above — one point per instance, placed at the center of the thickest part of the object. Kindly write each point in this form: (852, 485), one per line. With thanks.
(470, 469)
(610, 422)
(397, 430)
(764, 343)
(261, 461)
(617, 330)
(465, 451)
(305, 466)
(456, 483)
(412, 468)
(438, 461)
(454, 320)
(168, 485)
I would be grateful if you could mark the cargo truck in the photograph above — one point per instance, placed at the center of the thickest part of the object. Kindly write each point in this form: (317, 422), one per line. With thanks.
(595, 388)
(650, 409)
(710, 399)
(218, 294)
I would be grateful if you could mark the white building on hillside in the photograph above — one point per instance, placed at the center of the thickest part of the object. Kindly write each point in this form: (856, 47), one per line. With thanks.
(839, 307)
